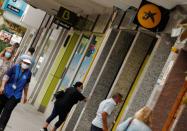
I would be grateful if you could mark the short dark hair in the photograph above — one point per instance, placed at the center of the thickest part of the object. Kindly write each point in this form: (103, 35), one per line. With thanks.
(31, 50)
(78, 84)
(117, 95)
(16, 45)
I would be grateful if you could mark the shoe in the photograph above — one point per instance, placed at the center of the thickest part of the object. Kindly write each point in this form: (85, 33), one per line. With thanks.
(43, 129)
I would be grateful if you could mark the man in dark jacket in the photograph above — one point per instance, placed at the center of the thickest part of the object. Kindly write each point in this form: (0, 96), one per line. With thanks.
(64, 104)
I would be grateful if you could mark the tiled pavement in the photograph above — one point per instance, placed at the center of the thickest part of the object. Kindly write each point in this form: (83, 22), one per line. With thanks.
(25, 118)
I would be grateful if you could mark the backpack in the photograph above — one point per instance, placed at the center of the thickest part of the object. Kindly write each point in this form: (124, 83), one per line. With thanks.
(59, 94)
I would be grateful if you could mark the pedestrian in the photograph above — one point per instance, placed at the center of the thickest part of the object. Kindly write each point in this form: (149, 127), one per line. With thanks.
(28, 55)
(15, 82)
(140, 122)
(5, 62)
(63, 105)
(105, 109)
(13, 49)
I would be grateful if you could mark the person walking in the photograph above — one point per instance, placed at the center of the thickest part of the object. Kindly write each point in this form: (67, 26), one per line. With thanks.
(28, 55)
(63, 105)
(15, 82)
(13, 50)
(105, 109)
(140, 122)
(5, 62)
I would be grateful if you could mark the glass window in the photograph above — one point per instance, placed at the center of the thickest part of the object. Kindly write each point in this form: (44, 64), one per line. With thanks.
(45, 53)
(67, 79)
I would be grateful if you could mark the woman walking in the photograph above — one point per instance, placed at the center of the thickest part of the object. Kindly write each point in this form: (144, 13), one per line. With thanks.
(140, 122)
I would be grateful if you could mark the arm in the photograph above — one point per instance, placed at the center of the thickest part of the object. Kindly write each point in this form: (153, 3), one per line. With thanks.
(81, 97)
(6, 78)
(87, 98)
(16, 54)
(1, 54)
(25, 93)
(104, 120)
(25, 90)
(4, 81)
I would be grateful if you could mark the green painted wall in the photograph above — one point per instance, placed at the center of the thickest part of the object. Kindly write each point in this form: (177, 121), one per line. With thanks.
(57, 70)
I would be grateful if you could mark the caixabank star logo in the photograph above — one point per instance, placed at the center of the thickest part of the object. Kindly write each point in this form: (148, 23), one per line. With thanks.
(151, 16)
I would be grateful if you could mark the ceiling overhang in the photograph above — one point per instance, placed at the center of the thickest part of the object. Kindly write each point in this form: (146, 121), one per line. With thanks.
(94, 7)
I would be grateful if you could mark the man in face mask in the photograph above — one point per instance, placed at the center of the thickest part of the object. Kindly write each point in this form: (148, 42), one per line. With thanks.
(14, 83)
(28, 55)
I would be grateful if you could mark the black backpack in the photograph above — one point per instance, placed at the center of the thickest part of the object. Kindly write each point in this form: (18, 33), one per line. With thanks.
(59, 94)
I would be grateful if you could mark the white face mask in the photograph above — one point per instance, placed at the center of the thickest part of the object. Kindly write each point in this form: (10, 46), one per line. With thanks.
(24, 66)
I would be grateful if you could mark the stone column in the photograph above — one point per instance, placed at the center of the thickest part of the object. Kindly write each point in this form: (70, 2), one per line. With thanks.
(150, 75)
(105, 79)
(131, 65)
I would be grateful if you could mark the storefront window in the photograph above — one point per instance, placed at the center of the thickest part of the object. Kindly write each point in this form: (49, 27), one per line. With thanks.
(87, 61)
(79, 53)
(81, 62)
(45, 53)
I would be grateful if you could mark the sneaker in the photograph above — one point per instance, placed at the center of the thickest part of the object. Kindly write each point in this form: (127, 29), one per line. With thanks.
(43, 129)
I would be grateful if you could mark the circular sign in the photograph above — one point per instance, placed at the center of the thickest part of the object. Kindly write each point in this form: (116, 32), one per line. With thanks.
(149, 16)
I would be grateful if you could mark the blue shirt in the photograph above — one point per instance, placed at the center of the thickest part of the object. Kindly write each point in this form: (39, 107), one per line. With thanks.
(17, 81)
(136, 125)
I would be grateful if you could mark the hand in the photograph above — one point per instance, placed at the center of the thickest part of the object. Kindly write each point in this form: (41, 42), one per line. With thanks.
(1, 90)
(86, 99)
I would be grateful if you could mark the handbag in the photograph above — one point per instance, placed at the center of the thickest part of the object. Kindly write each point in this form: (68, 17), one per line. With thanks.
(129, 124)
(59, 94)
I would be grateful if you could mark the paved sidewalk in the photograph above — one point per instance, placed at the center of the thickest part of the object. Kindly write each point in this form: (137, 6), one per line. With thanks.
(25, 118)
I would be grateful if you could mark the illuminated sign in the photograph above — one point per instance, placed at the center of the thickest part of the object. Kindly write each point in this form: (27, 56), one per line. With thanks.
(151, 16)
(66, 18)
(16, 7)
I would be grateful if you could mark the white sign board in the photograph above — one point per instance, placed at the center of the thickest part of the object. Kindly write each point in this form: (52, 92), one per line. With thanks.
(33, 17)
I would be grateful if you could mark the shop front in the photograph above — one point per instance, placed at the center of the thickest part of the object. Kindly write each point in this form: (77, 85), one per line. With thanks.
(77, 67)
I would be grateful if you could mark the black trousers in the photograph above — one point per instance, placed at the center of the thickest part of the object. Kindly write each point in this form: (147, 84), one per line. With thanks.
(7, 105)
(54, 114)
(94, 128)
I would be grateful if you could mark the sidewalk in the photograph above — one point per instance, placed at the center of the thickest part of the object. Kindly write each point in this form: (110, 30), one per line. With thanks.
(25, 118)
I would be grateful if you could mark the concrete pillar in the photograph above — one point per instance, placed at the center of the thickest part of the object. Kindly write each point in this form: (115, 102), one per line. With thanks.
(150, 75)
(69, 124)
(131, 65)
(105, 79)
